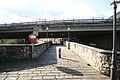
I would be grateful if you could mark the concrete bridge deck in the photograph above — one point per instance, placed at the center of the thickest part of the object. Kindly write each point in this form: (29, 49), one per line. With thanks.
(80, 27)
(49, 67)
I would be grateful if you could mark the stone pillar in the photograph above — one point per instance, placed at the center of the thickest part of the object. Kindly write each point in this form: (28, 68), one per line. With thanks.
(36, 30)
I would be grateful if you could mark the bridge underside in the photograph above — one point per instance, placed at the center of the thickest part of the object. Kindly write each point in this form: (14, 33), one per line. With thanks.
(64, 34)
(73, 34)
(14, 35)
(95, 32)
(100, 39)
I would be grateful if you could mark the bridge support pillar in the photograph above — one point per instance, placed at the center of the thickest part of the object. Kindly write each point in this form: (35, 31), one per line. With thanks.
(36, 30)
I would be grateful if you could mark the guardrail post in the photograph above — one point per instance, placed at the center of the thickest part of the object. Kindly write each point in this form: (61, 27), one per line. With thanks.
(59, 52)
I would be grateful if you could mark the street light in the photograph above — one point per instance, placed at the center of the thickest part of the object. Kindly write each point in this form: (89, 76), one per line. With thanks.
(47, 33)
(62, 36)
(68, 37)
(113, 66)
(62, 39)
(51, 36)
(68, 33)
(114, 1)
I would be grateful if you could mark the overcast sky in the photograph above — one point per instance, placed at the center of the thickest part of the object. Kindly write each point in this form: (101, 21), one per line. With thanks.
(34, 10)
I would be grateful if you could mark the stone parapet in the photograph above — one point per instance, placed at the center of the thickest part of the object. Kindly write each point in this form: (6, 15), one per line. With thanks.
(21, 51)
(99, 59)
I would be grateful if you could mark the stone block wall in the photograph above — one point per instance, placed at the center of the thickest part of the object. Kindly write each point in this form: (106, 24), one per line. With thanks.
(99, 59)
(21, 51)
(40, 48)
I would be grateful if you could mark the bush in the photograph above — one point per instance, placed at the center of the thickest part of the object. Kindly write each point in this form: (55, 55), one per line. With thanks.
(21, 42)
(10, 42)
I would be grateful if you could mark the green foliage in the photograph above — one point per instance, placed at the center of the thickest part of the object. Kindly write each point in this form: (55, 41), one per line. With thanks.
(10, 42)
(21, 42)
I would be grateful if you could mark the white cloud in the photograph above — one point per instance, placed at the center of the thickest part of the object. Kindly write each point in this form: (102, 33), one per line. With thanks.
(8, 17)
(31, 10)
(69, 8)
(109, 13)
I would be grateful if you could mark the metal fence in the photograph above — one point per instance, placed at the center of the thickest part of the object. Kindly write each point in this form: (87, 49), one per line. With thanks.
(60, 22)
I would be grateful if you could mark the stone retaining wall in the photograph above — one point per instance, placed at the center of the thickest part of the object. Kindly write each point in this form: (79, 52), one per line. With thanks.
(99, 59)
(21, 51)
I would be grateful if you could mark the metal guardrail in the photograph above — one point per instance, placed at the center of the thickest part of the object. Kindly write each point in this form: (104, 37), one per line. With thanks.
(59, 22)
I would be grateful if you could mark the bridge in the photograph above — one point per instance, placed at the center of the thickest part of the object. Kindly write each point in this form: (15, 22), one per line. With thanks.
(78, 27)
(79, 61)
(86, 31)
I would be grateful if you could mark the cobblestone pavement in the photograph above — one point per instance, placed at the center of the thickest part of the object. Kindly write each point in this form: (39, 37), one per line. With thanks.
(50, 67)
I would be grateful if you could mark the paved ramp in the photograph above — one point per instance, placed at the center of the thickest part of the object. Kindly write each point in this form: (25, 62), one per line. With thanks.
(50, 67)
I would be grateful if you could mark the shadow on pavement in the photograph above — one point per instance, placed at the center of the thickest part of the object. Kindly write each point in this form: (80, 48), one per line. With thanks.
(47, 58)
(69, 59)
(70, 71)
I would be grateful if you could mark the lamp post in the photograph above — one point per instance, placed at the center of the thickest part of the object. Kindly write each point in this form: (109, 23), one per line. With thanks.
(62, 39)
(68, 37)
(47, 32)
(51, 36)
(113, 66)
(62, 34)
(68, 33)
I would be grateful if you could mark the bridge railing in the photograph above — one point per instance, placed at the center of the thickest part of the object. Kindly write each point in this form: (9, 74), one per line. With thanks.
(61, 22)
(75, 21)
